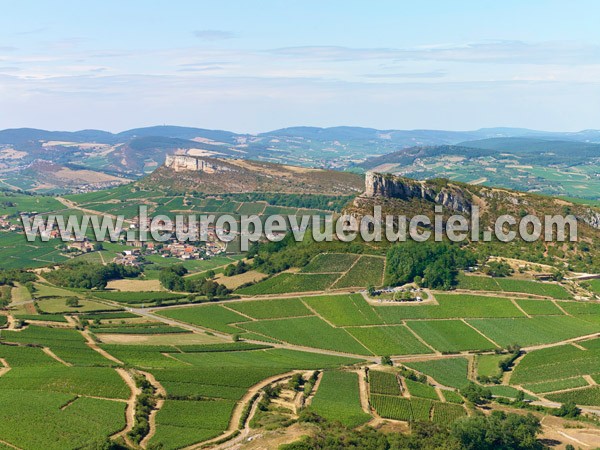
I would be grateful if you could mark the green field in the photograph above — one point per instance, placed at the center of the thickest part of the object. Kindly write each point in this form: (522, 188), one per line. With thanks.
(271, 309)
(180, 423)
(556, 363)
(556, 385)
(383, 383)
(367, 270)
(344, 310)
(134, 298)
(450, 372)
(537, 330)
(18, 253)
(451, 306)
(308, 332)
(400, 408)
(90, 381)
(214, 317)
(450, 335)
(452, 396)
(37, 421)
(330, 262)
(68, 344)
(445, 413)
(290, 282)
(589, 396)
(483, 283)
(539, 307)
(487, 365)
(389, 340)
(421, 390)
(338, 399)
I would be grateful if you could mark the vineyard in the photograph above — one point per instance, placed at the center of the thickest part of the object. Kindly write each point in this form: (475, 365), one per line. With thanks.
(383, 383)
(337, 399)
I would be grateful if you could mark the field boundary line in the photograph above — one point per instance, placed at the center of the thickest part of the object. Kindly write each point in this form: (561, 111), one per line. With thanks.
(6, 367)
(343, 274)
(130, 409)
(234, 420)
(440, 394)
(168, 355)
(563, 342)
(363, 389)
(561, 308)
(8, 444)
(423, 341)
(489, 339)
(94, 346)
(53, 355)
(333, 326)
(514, 302)
(240, 313)
(311, 309)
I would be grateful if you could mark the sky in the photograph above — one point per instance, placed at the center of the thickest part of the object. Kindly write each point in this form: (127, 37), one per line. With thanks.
(254, 66)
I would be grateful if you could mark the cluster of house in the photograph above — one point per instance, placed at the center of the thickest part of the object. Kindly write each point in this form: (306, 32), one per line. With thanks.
(5, 224)
(84, 246)
(174, 249)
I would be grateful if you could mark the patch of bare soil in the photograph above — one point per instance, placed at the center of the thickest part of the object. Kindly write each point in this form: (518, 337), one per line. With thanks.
(260, 440)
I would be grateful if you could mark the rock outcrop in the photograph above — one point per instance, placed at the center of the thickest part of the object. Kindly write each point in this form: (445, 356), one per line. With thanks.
(388, 186)
(183, 163)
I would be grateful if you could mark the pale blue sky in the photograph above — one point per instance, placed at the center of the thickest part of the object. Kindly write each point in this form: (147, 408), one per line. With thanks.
(253, 66)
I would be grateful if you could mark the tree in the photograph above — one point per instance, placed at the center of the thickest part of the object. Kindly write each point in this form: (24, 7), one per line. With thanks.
(568, 410)
(498, 431)
(497, 269)
(476, 394)
(370, 290)
(386, 361)
(433, 264)
(72, 302)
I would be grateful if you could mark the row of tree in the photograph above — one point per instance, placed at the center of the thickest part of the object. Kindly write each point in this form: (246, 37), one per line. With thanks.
(173, 279)
(86, 275)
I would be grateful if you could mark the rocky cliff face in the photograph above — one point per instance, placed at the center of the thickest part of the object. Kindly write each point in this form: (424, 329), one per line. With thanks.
(388, 186)
(182, 163)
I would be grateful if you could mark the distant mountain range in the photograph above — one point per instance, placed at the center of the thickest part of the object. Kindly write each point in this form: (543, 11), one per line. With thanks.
(133, 153)
(17, 136)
